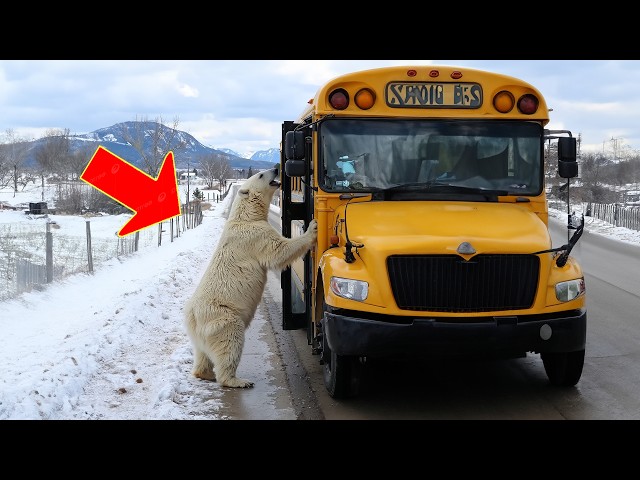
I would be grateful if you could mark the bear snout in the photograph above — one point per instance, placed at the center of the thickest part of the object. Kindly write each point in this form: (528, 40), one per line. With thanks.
(276, 178)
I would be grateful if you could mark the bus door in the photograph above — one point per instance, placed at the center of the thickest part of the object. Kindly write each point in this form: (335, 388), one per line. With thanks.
(296, 211)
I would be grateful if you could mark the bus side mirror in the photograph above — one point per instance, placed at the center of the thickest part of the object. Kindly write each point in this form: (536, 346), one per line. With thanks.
(295, 168)
(567, 164)
(294, 145)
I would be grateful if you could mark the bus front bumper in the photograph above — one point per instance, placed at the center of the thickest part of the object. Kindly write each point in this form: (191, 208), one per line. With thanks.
(560, 332)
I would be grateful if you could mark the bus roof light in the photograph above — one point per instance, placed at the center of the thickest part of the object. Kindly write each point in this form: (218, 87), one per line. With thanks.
(504, 101)
(528, 104)
(365, 99)
(339, 99)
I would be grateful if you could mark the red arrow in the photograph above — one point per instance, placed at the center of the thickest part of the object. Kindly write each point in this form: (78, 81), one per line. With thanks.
(153, 200)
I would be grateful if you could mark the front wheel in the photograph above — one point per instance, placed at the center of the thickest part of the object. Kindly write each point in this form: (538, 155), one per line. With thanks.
(341, 373)
(564, 369)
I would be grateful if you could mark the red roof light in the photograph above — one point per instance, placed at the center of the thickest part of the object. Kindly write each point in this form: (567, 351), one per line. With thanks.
(339, 99)
(528, 104)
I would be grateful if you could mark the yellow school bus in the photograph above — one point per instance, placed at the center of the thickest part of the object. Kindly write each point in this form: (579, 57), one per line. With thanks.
(428, 186)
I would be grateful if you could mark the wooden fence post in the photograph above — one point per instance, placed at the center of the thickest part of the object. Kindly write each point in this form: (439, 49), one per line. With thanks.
(49, 253)
(89, 250)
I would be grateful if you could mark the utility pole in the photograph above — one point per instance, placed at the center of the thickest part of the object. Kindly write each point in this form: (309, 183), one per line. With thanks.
(188, 182)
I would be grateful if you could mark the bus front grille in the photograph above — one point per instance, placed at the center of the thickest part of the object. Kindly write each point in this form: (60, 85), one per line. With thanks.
(448, 283)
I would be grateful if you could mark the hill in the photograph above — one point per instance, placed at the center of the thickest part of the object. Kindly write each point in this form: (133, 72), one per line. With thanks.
(113, 138)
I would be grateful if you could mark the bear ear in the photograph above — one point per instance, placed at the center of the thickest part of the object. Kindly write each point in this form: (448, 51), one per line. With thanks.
(243, 193)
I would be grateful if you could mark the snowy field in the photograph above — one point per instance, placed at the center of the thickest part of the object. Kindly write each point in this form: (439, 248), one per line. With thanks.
(23, 238)
(111, 345)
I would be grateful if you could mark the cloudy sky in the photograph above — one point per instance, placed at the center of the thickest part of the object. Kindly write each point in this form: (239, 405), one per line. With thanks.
(241, 104)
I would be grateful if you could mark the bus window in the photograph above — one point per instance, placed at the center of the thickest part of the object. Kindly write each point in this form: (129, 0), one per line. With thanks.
(374, 154)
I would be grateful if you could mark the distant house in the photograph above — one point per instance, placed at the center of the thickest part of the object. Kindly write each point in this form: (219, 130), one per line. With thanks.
(631, 197)
(189, 175)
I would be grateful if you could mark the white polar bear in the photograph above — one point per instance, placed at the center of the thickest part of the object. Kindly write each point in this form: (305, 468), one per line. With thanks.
(225, 301)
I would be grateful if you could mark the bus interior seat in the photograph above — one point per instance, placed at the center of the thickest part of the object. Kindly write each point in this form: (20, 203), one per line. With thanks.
(467, 165)
(428, 154)
(427, 170)
(401, 151)
(495, 166)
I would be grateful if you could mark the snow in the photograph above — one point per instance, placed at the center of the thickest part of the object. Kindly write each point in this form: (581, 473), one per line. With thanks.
(111, 345)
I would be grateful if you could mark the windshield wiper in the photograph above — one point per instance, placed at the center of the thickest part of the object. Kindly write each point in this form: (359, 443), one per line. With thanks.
(439, 186)
(414, 185)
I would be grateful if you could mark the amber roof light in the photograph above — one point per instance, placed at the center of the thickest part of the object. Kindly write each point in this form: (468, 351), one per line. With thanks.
(365, 99)
(504, 101)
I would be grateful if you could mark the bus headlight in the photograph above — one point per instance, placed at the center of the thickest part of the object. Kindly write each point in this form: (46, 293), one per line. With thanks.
(348, 288)
(567, 291)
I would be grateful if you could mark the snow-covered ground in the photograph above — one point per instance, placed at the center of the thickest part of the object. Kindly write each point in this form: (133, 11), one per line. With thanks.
(111, 345)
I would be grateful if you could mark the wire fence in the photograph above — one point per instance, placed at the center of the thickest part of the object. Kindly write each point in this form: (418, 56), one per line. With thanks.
(618, 215)
(32, 256)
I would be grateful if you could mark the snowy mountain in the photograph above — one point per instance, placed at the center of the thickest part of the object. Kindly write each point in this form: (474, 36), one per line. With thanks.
(113, 138)
(272, 156)
(230, 152)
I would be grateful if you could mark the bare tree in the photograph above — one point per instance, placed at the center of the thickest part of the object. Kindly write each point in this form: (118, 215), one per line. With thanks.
(592, 174)
(14, 154)
(153, 141)
(215, 166)
(6, 171)
(52, 155)
(79, 159)
(622, 173)
(54, 151)
(592, 166)
(635, 169)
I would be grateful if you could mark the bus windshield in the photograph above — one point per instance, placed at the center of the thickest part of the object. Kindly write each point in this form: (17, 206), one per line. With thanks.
(379, 154)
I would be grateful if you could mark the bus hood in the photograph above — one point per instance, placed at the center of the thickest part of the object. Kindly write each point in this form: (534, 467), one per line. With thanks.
(440, 228)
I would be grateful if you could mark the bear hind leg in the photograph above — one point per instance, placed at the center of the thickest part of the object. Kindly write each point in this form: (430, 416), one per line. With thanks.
(202, 366)
(225, 347)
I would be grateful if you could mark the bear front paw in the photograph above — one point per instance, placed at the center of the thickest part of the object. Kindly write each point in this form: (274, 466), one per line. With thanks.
(313, 227)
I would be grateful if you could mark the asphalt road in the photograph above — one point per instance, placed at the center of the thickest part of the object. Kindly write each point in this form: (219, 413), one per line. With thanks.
(480, 388)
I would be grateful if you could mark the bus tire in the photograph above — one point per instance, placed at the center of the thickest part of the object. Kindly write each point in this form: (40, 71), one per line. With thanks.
(341, 373)
(564, 369)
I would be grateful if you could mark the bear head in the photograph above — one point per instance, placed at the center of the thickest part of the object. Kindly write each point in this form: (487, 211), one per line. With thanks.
(254, 196)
